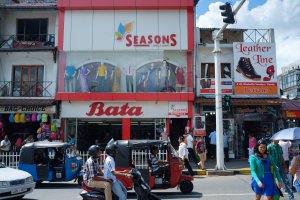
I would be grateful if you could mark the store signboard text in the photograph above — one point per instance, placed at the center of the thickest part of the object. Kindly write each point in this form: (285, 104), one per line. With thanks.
(26, 109)
(99, 109)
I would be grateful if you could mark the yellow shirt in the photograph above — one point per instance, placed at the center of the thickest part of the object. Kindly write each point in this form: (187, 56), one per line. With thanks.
(102, 70)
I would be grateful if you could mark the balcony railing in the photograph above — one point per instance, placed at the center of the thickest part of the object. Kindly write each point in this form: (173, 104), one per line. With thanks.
(25, 41)
(27, 88)
(28, 3)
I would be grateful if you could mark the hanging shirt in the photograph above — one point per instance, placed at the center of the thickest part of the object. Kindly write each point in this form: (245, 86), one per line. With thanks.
(44, 117)
(17, 118)
(102, 70)
(11, 118)
(22, 118)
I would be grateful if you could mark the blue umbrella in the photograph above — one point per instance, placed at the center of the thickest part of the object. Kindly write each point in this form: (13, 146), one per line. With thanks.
(287, 134)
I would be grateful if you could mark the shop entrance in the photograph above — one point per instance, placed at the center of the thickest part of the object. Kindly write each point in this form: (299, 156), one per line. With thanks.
(259, 129)
(90, 130)
(177, 127)
(142, 129)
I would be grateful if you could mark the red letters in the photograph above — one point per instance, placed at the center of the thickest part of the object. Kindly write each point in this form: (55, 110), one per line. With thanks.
(98, 109)
(146, 41)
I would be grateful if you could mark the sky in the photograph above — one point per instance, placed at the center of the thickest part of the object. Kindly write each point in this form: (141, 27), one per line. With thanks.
(282, 15)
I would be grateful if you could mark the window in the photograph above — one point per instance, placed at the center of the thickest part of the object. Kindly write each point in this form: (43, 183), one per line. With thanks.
(28, 80)
(208, 70)
(32, 29)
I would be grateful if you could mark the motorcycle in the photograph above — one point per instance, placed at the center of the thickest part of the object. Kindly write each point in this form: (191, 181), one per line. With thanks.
(141, 188)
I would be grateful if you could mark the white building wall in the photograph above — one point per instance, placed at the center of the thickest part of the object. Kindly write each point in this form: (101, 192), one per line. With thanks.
(29, 58)
(10, 20)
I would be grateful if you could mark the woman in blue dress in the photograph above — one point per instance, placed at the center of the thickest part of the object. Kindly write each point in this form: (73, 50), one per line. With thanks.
(263, 173)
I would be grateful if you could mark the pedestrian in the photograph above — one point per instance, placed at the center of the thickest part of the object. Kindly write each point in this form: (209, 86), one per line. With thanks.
(190, 146)
(225, 146)
(19, 143)
(213, 142)
(29, 139)
(4, 149)
(264, 173)
(275, 150)
(252, 142)
(285, 145)
(184, 155)
(93, 175)
(295, 171)
(110, 172)
(201, 151)
(5, 144)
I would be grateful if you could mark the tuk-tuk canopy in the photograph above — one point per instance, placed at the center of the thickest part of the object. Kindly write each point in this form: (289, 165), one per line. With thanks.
(139, 143)
(27, 151)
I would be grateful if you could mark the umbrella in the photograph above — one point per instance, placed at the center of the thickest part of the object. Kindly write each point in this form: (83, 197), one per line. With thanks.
(287, 134)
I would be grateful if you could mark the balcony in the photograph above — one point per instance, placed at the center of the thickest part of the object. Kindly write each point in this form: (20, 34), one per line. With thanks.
(27, 89)
(27, 42)
(28, 4)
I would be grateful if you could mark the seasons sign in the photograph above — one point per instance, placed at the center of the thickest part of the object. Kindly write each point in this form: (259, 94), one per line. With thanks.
(157, 40)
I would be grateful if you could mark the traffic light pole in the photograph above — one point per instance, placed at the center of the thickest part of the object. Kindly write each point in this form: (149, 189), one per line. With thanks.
(218, 95)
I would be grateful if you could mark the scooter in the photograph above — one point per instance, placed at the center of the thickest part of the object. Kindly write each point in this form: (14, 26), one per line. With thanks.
(141, 188)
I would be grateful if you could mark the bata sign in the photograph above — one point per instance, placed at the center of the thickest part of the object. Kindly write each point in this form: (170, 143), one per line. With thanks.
(144, 109)
(99, 109)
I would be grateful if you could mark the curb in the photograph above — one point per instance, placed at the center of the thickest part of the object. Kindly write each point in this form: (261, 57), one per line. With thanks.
(199, 172)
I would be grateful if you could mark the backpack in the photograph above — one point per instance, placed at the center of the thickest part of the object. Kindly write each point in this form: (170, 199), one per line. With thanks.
(53, 127)
(28, 118)
(11, 118)
(17, 118)
(33, 117)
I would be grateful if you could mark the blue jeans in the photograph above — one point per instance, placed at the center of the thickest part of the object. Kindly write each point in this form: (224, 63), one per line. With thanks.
(297, 186)
(286, 183)
(118, 189)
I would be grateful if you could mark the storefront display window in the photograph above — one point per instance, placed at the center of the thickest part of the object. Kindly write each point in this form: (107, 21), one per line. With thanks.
(125, 72)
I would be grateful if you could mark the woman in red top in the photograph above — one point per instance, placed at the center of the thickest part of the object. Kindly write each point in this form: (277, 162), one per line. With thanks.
(201, 151)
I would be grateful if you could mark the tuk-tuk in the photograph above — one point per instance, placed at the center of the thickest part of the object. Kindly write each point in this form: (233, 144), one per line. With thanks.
(50, 161)
(136, 153)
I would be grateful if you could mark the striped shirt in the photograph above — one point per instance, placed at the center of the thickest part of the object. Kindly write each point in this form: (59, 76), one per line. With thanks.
(91, 169)
(154, 162)
(109, 167)
(276, 152)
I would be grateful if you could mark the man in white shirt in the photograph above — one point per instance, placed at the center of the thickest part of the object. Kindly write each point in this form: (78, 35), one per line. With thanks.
(213, 142)
(5, 144)
(190, 146)
(110, 172)
(285, 145)
(184, 155)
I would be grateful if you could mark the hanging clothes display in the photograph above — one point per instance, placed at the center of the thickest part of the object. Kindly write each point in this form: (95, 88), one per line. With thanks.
(152, 78)
(82, 77)
(180, 82)
(101, 77)
(117, 80)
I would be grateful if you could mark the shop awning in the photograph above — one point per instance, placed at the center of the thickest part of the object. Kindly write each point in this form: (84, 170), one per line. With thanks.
(27, 102)
(289, 104)
(242, 102)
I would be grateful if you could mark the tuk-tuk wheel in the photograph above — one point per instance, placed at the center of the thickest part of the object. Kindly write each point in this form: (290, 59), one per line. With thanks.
(79, 180)
(38, 184)
(186, 187)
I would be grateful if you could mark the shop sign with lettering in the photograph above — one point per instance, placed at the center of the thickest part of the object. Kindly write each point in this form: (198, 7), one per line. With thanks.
(27, 109)
(80, 109)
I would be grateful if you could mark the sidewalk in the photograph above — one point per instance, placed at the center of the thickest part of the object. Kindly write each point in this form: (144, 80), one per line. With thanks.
(236, 166)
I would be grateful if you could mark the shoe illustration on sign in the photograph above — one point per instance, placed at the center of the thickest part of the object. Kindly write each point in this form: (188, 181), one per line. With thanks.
(270, 71)
(247, 70)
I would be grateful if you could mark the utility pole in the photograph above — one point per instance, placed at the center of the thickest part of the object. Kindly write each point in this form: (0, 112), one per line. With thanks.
(218, 93)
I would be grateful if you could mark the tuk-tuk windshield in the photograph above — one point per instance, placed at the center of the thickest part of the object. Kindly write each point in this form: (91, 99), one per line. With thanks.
(71, 152)
(174, 153)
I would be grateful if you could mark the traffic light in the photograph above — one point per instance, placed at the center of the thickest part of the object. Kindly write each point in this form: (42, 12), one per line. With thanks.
(227, 103)
(227, 13)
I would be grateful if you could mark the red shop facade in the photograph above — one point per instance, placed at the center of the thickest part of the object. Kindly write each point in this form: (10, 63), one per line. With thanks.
(125, 69)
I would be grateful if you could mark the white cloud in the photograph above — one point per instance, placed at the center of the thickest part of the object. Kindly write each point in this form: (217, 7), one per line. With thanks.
(282, 15)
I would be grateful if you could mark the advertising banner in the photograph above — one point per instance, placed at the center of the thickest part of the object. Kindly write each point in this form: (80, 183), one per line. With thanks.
(125, 30)
(199, 125)
(255, 69)
(206, 84)
(101, 109)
